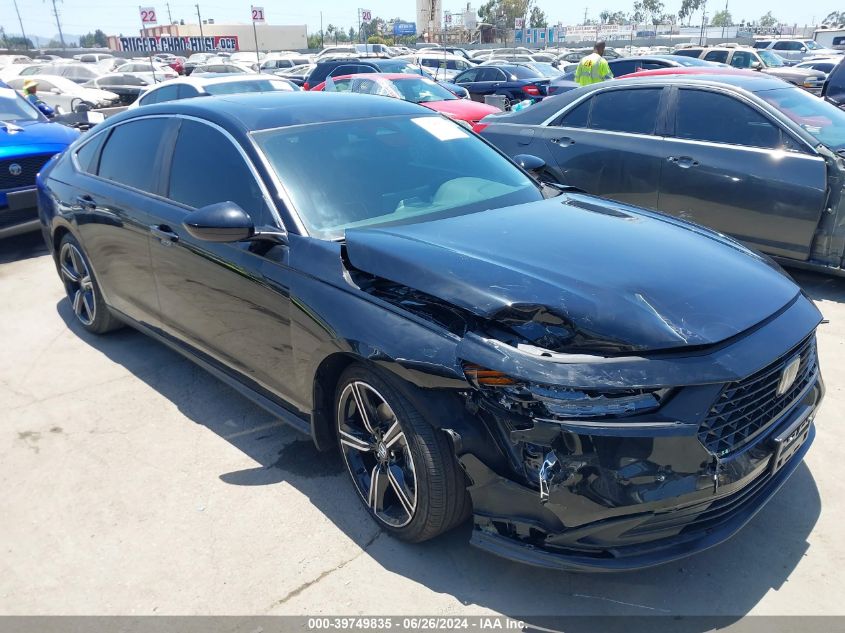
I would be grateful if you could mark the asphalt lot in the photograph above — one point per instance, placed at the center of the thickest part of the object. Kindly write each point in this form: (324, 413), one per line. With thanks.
(135, 483)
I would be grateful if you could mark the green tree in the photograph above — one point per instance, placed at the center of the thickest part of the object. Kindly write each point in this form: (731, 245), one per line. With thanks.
(646, 10)
(613, 17)
(721, 18)
(16, 41)
(315, 39)
(538, 19)
(768, 20)
(834, 19)
(503, 13)
(688, 7)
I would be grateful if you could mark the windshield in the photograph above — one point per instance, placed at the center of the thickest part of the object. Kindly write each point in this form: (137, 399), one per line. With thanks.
(422, 90)
(259, 85)
(449, 64)
(400, 169)
(397, 66)
(813, 45)
(545, 69)
(819, 118)
(772, 60)
(14, 108)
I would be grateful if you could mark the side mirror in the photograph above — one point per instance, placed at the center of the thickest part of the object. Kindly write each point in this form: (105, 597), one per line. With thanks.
(756, 65)
(531, 164)
(55, 91)
(220, 222)
(803, 49)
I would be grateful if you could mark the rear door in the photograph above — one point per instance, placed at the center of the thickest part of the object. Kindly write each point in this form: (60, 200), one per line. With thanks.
(732, 168)
(117, 188)
(488, 81)
(609, 145)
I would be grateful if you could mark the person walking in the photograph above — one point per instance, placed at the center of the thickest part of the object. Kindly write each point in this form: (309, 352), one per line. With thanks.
(593, 68)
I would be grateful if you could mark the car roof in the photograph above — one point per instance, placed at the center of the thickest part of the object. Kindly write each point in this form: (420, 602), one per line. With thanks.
(738, 80)
(262, 111)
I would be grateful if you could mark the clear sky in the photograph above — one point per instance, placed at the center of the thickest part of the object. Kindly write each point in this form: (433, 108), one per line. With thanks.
(115, 16)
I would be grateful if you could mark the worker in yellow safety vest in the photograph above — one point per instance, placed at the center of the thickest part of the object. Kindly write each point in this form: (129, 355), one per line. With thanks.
(593, 68)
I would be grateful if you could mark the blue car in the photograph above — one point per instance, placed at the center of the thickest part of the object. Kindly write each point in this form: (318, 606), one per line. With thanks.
(516, 82)
(27, 141)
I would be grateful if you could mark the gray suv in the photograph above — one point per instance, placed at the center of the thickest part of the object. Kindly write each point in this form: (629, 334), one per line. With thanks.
(742, 153)
(763, 60)
(795, 50)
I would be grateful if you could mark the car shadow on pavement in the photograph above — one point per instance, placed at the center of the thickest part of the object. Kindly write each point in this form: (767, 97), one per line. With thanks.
(728, 580)
(20, 247)
(818, 286)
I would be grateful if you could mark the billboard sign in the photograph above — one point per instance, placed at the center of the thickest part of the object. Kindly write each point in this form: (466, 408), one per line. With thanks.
(404, 28)
(174, 43)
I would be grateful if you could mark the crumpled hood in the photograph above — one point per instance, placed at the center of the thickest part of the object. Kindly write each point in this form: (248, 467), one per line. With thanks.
(607, 272)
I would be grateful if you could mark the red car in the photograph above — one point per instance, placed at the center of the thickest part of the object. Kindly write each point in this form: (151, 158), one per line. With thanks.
(692, 70)
(413, 88)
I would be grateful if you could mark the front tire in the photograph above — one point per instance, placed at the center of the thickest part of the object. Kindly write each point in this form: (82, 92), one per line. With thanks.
(82, 290)
(404, 470)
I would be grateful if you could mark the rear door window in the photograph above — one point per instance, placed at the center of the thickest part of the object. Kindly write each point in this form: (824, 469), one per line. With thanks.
(490, 73)
(688, 52)
(620, 68)
(632, 111)
(716, 56)
(468, 76)
(130, 151)
(578, 116)
(702, 115)
(742, 59)
(788, 46)
(88, 156)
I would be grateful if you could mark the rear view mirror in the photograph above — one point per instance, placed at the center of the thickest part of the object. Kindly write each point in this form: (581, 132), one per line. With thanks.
(220, 222)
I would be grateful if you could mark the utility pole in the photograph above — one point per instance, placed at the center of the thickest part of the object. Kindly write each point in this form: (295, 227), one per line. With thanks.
(58, 24)
(724, 24)
(169, 17)
(199, 19)
(23, 33)
(322, 44)
(585, 15)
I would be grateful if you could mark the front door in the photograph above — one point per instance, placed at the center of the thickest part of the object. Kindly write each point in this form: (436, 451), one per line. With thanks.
(728, 166)
(230, 302)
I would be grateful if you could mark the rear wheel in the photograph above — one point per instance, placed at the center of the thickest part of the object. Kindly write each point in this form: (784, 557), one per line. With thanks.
(82, 289)
(403, 469)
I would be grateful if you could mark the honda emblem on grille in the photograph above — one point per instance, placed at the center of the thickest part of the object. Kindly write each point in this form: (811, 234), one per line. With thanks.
(788, 375)
(15, 169)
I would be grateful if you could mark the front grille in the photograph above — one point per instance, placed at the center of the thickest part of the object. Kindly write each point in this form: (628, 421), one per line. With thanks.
(30, 166)
(746, 407)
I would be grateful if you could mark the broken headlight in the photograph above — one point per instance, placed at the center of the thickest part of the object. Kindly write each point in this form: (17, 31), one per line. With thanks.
(577, 403)
(563, 402)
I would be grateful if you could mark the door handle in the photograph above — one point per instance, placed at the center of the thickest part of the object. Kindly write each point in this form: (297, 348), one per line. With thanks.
(683, 161)
(86, 202)
(564, 141)
(164, 234)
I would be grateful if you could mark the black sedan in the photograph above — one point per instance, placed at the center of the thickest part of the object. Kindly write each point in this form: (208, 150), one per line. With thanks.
(516, 82)
(580, 376)
(744, 153)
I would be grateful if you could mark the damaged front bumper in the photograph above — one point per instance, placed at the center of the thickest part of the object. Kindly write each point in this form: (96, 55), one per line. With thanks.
(633, 492)
(636, 514)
